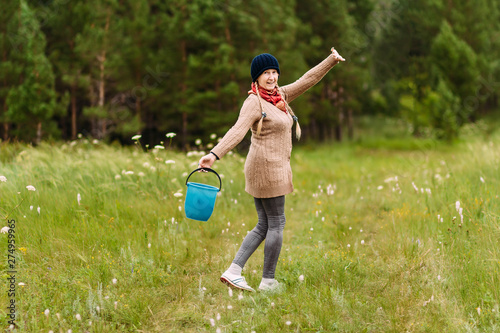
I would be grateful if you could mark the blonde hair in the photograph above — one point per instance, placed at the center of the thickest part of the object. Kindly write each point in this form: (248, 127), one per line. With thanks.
(298, 132)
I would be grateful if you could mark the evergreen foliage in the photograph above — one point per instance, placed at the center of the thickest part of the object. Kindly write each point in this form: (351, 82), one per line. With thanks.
(110, 69)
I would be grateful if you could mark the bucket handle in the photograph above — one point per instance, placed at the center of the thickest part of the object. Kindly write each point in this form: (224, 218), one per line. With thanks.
(206, 169)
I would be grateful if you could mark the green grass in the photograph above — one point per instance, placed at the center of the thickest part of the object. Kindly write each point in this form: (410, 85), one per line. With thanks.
(374, 255)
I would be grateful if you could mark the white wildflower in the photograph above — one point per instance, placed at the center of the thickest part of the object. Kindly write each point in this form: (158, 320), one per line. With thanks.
(78, 317)
(31, 188)
(118, 177)
(98, 308)
(362, 241)
(218, 330)
(116, 305)
(3, 179)
(197, 142)
(457, 205)
(213, 136)
(230, 291)
(177, 195)
(21, 284)
(149, 245)
(128, 173)
(480, 178)
(301, 278)
(272, 304)
(240, 296)
(38, 209)
(4, 230)
(380, 188)
(478, 310)
(169, 162)
(348, 245)
(170, 135)
(31, 207)
(114, 281)
(312, 229)
(136, 137)
(288, 323)
(414, 186)
(159, 147)
(212, 322)
(218, 316)
(78, 198)
(70, 331)
(229, 307)
(47, 312)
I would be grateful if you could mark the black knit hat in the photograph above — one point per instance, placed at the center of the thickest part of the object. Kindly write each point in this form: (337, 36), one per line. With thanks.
(263, 62)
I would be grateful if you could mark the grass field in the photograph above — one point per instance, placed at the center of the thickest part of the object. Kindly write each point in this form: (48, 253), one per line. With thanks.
(103, 244)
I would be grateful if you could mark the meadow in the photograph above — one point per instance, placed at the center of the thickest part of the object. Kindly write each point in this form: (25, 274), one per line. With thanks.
(381, 236)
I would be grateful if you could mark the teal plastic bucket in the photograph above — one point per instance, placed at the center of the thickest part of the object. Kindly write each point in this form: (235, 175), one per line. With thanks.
(200, 198)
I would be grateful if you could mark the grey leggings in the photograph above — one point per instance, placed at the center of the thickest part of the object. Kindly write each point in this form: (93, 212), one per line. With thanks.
(271, 213)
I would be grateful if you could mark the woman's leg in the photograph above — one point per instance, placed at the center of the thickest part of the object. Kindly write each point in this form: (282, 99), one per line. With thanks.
(254, 237)
(275, 212)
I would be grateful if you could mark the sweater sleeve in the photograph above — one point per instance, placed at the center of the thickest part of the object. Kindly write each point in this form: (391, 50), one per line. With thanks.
(249, 114)
(309, 79)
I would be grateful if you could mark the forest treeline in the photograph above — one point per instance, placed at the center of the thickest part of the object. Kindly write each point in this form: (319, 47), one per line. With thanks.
(109, 69)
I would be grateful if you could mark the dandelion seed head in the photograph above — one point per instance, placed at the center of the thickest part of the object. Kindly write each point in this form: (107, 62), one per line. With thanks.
(114, 281)
(46, 312)
(312, 229)
(348, 245)
(362, 241)
(301, 278)
(3, 179)
(31, 188)
(4, 230)
(78, 317)
(136, 137)
(288, 323)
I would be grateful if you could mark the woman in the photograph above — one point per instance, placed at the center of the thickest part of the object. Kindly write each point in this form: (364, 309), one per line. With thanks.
(268, 175)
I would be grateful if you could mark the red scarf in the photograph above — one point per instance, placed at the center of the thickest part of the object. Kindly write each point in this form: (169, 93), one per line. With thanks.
(273, 97)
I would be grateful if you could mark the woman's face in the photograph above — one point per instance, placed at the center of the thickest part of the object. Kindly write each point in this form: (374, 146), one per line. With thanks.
(268, 79)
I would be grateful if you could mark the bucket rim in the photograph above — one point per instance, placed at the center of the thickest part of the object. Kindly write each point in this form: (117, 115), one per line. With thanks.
(210, 170)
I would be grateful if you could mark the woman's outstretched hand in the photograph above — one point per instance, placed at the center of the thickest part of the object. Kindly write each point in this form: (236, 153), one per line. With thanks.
(336, 55)
(207, 161)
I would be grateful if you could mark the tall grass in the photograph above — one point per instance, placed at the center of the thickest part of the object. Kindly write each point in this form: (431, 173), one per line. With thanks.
(375, 233)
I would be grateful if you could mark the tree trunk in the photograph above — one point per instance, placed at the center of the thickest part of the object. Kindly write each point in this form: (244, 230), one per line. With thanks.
(102, 91)
(73, 111)
(5, 131)
(38, 132)
(183, 92)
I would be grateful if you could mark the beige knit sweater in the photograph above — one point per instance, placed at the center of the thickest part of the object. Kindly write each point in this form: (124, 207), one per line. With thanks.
(267, 168)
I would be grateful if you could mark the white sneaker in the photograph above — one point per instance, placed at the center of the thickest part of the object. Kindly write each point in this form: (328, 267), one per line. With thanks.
(235, 281)
(272, 286)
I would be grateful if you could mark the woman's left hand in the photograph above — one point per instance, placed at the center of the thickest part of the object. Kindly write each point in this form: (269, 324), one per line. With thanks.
(336, 55)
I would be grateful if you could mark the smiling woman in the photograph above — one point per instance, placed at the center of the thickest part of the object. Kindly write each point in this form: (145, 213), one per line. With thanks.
(268, 174)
